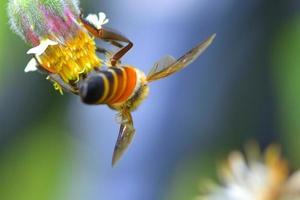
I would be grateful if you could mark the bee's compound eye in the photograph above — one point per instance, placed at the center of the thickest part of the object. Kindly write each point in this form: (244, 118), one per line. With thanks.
(91, 89)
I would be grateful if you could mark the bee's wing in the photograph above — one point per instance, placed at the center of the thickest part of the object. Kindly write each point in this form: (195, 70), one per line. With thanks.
(126, 134)
(168, 65)
(160, 65)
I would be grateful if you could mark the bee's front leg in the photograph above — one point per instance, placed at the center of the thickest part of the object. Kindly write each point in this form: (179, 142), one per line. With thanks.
(66, 87)
(103, 51)
(55, 78)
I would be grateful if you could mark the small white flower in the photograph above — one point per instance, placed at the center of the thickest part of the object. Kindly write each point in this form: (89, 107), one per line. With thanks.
(31, 66)
(255, 176)
(41, 48)
(97, 21)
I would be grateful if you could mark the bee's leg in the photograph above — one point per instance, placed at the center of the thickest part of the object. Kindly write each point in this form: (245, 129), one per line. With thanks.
(117, 44)
(105, 52)
(55, 78)
(114, 38)
(66, 87)
(111, 36)
(102, 50)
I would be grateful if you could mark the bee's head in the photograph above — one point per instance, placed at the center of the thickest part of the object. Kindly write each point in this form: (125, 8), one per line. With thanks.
(91, 89)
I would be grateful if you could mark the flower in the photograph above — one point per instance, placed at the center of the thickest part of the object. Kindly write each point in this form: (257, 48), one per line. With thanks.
(61, 44)
(97, 21)
(255, 177)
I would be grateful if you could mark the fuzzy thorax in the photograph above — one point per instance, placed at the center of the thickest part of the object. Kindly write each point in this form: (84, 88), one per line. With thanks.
(75, 57)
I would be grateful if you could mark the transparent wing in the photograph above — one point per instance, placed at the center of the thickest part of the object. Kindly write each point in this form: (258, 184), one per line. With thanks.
(168, 65)
(126, 134)
(163, 63)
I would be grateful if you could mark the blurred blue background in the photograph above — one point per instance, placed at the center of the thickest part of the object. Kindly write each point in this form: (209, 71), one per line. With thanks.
(246, 86)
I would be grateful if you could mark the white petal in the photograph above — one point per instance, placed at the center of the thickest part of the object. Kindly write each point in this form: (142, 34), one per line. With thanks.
(105, 21)
(31, 66)
(50, 42)
(292, 185)
(102, 18)
(40, 49)
(93, 20)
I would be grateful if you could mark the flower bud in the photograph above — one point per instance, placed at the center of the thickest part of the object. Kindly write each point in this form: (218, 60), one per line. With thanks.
(35, 20)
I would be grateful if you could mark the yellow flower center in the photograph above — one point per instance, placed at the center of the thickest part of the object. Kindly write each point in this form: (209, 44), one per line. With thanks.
(76, 57)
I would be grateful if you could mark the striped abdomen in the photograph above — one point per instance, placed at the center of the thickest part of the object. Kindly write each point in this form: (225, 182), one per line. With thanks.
(112, 86)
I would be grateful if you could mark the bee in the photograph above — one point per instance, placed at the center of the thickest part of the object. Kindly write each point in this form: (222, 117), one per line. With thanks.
(122, 87)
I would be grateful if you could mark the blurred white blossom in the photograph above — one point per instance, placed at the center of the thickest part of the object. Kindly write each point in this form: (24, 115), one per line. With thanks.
(255, 176)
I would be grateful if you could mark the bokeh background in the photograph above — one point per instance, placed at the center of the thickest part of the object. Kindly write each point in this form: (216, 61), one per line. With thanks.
(246, 86)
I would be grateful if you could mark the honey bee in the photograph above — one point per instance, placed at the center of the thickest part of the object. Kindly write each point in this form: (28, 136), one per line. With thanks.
(122, 87)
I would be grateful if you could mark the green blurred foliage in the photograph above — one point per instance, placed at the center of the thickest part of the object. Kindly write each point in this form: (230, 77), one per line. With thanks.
(34, 164)
(35, 151)
(3, 30)
(192, 177)
(12, 52)
(286, 67)
(3, 19)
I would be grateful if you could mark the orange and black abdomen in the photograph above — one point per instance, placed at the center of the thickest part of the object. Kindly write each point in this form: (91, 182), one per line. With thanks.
(111, 86)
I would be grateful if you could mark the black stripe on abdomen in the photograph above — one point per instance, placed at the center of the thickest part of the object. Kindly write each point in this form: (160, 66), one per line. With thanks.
(92, 89)
(109, 76)
(101, 87)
